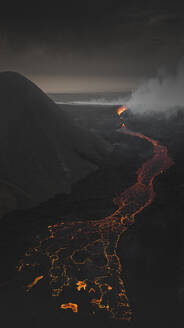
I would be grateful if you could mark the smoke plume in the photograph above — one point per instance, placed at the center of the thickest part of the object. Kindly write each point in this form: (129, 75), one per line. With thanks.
(162, 93)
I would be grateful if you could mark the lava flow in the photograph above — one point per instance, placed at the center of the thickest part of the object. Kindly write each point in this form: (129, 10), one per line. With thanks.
(81, 255)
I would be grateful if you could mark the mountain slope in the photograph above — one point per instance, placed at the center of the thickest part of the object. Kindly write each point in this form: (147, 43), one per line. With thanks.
(42, 151)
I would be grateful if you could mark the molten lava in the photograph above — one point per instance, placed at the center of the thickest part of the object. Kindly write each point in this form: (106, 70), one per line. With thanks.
(35, 281)
(73, 249)
(81, 285)
(72, 306)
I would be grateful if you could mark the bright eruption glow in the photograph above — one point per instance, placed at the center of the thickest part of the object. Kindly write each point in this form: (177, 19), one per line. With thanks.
(121, 110)
(83, 254)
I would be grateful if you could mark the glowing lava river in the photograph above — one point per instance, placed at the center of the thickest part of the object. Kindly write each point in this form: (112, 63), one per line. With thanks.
(80, 256)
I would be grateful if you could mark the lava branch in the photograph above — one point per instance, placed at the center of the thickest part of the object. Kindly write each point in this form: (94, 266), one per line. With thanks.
(82, 254)
(133, 200)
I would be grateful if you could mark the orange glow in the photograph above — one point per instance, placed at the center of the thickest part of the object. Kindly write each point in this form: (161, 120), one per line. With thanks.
(91, 290)
(35, 281)
(121, 109)
(80, 285)
(72, 306)
(109, 288)
(20, 266)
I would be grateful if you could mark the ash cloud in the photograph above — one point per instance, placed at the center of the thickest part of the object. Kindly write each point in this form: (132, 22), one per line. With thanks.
(162, 93)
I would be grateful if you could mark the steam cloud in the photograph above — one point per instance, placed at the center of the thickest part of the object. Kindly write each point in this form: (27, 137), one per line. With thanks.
(161, 93)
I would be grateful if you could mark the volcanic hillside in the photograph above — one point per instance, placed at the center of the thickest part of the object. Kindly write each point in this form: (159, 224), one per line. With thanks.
(42, 151)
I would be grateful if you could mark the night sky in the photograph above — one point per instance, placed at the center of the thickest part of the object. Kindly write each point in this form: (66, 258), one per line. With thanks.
(91, 45)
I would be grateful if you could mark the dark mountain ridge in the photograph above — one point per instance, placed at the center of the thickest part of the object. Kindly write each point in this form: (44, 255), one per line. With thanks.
(42, 150)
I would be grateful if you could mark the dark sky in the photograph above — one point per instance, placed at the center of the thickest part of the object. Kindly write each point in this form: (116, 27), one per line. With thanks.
(91, 45)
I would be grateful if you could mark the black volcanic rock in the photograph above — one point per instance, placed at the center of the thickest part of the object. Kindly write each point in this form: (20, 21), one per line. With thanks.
(42, 151)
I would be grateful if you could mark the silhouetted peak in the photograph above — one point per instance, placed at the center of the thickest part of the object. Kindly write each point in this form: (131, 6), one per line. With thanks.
(15, 80)
(43, 151)
(19, 95)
